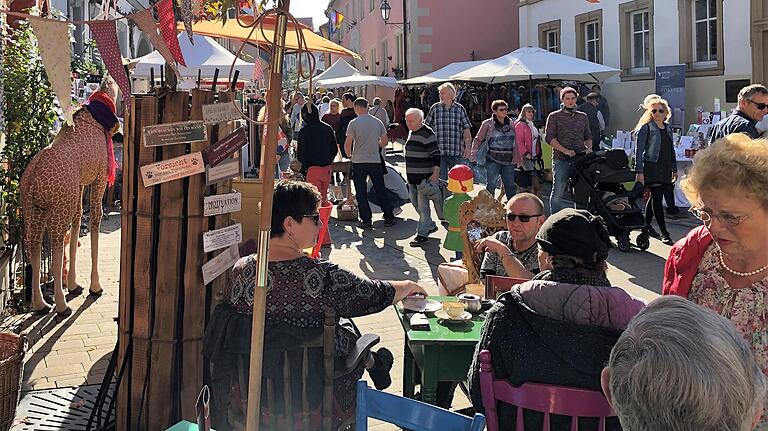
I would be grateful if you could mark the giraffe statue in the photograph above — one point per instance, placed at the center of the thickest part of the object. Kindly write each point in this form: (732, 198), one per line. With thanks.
(52, 194)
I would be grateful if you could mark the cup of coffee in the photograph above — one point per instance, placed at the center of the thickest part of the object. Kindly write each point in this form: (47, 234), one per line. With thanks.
(454, 309)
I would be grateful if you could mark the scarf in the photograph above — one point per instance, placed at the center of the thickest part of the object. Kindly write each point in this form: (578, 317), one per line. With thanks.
(102, 109)
(580, 276)
(534, 138)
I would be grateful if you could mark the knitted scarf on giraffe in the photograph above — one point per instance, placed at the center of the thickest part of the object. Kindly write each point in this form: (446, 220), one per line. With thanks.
(52, 189)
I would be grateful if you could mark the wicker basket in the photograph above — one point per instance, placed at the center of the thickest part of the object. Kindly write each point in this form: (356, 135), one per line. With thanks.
(346, 212)
(12, 349)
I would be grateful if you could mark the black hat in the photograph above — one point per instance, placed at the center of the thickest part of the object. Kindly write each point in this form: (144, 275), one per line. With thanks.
(576, 233)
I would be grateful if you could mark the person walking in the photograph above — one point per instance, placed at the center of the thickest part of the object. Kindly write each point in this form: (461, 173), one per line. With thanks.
(333, 116)
(296, 123)
(528, 143)
(379, 112)
(422, 171)
(567, 131)
(324, 106)
(595, 117)
(498, 133)
(369, 136)
(602, 104)
(451, 124)
(316, 150)
(752, 107)
(655, 163)
(347, 114)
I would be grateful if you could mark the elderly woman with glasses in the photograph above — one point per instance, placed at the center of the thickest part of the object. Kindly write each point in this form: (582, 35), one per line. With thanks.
(723, 265)
(498, 134)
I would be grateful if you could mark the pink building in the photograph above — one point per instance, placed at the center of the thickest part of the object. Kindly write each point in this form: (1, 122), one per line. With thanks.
(438, 32)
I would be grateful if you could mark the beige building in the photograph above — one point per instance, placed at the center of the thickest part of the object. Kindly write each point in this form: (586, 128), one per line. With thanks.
(722, 44)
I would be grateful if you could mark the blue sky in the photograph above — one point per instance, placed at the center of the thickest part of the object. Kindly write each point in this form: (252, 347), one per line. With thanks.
(310, 8)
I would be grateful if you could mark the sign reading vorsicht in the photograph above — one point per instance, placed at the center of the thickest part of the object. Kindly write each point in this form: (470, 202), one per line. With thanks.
(172, 169)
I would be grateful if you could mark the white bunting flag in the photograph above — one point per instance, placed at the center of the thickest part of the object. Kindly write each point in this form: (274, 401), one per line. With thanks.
(57, 61)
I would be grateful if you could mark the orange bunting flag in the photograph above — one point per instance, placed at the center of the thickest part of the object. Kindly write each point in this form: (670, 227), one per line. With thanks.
(168, 29)
(105, 33)
(57, 61)
(144, 20)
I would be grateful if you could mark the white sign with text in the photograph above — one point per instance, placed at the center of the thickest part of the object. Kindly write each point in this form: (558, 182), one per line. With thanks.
(222, 204)
(224, 237)
(220, 264)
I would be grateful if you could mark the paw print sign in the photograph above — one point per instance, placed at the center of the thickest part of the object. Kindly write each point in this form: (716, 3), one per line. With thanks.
(172, 169)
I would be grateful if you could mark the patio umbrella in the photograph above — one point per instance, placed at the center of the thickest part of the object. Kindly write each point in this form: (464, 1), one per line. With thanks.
(340, 68)
(536, 63)
(357, 80)
(443, 74)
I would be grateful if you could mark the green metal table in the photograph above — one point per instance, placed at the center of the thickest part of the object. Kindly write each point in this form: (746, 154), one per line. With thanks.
(443, 354)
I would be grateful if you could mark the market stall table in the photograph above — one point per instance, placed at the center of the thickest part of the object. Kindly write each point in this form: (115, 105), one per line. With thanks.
(442, 354)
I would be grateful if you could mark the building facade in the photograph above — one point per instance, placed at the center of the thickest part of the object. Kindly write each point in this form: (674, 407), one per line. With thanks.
(712, 38)
(436, 33)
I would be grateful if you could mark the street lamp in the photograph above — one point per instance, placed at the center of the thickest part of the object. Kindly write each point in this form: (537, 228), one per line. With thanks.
(386, 9)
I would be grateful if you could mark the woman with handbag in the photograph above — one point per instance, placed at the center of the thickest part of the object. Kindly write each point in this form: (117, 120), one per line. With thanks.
(497, 134)
(528, 142)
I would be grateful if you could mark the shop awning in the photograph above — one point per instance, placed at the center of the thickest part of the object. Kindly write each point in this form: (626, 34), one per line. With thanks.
(235, 30)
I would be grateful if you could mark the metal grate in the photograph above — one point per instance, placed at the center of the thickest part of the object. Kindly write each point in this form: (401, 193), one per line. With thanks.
(66, 409)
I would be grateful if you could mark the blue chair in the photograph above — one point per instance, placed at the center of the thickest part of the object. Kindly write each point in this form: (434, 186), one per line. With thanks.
(408, 413)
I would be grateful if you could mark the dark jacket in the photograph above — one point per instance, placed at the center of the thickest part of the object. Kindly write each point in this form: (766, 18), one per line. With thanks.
(594, 124)
(316, 142)
(603, 107)
(347, 115)
(683, 262)
(736, 123)
(649, 145)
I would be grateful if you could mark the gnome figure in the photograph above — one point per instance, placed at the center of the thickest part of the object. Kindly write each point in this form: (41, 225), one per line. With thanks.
(459, 183)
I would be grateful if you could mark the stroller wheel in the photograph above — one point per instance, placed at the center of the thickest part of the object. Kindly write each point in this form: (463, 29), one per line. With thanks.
(643, 241)
(623, 242)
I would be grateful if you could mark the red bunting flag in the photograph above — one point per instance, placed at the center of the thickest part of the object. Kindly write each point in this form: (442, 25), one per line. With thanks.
(105, 33)
(146, 22)
(168, 29)
(258, 72)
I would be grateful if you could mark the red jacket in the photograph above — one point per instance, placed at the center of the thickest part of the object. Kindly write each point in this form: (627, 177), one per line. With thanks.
(683, 262)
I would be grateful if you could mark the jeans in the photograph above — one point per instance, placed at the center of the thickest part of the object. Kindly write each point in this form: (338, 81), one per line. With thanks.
(492, 171)
(654, 207)
(283, 163)
(360, 174)
(420, 201)
(563, 172)
(446, 163)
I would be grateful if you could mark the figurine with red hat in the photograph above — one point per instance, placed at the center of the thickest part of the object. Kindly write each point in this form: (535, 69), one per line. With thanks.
(460, 182)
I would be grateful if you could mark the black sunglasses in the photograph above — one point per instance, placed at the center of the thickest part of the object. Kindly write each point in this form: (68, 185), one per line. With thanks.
(524, 218)
(315, 218)
(660, 111)
(759, 105)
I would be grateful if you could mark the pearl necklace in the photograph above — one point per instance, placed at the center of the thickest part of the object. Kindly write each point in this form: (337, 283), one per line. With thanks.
(740, 274)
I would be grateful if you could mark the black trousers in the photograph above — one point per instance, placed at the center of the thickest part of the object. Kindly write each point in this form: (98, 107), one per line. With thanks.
(360, 174)
(654, 207)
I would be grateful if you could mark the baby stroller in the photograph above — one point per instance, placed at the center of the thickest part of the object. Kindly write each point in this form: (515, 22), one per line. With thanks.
(598, 187)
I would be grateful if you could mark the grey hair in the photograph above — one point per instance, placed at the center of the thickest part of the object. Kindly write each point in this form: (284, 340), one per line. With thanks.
(449, 86)
(376, 101)
(679, 366)
(748, 92)
(419, 113)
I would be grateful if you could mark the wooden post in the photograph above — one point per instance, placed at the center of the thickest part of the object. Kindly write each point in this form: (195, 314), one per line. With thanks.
(267, 171)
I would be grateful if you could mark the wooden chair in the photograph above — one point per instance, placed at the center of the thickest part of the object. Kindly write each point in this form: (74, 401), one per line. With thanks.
(409, 414)
(548, 399)
(495, 285)
(481, 217)
(310, 417)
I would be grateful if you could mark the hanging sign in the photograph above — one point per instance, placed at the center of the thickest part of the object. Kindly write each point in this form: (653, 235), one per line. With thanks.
(226, 170)
(224, 237)
(222, 204)
(175, 133)
(224, 148)
(220, 264)
(172, 169)
(221, 112)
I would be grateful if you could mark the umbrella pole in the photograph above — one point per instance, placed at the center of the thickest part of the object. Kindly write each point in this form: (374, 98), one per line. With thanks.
(265, 220)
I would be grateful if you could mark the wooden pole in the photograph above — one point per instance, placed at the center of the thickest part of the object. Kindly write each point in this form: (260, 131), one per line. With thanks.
(265, 219)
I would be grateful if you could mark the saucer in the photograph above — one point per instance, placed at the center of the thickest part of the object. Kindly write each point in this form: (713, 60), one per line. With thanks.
(421, 305)
(443, 315)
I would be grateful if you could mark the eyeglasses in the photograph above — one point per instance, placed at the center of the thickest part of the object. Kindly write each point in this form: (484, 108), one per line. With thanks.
(315, 218)
(660, 111)
(705, 215)
(760, 106)
(524, 218)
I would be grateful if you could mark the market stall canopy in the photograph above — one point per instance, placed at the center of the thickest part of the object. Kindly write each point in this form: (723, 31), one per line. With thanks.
(357, 80)
(206, 56)
(233, 29)
(536, 63)
(443, 74)
(340, 68)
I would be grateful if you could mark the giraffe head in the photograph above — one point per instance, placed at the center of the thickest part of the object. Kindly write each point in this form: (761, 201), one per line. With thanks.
(110, 87)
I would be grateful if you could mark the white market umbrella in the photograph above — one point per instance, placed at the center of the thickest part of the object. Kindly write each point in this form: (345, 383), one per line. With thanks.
(536, 63)
(358, 80)
(443, 74)
(206, 55)
(339, 69)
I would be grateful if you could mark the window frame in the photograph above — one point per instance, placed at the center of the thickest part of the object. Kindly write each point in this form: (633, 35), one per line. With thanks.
(688, 43)
(399, 50)
(626, 29)
(581, 21)
(545, 29)
(384, 59)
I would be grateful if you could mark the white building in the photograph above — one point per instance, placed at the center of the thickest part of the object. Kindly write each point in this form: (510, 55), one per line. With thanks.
(711, 37)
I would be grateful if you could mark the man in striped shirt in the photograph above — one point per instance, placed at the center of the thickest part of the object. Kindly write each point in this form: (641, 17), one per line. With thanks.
(422, 172)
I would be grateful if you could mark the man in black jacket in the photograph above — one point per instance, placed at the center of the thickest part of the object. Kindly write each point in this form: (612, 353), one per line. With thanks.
(590, 107)
(316, 150)
(347, 115)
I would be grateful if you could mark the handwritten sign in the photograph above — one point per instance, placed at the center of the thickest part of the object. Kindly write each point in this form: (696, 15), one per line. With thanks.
(222, 204)
(220, 264)
(224, 148)
(225, 170)
(221, 112)
(224, 237)
(172, 169)
(174, 133)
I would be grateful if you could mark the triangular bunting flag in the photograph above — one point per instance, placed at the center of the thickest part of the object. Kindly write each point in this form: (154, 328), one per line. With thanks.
(168, 29)
(57, 61)
(186, 16)
(258, 72)
(148, 26)
(105, 33)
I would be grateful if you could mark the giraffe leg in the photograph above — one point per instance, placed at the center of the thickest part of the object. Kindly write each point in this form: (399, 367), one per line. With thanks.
(74, 232)
(38, 302)
(97, 193)
(57, 246)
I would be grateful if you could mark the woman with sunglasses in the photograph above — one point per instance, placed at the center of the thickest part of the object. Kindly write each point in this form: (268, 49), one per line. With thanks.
(655, 161)
(299, 288)
(498, 133)
(723, 265)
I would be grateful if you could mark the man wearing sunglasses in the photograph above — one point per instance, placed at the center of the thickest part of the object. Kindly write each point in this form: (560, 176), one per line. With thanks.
(752, 107)
(513, 252)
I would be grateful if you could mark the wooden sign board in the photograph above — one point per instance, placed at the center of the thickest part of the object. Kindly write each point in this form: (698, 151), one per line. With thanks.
(221, 112)
(222, 204)
(172, 169)
(226, 170)
(174, 133)
(224, 148)
(220, 264)
(224, 237)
